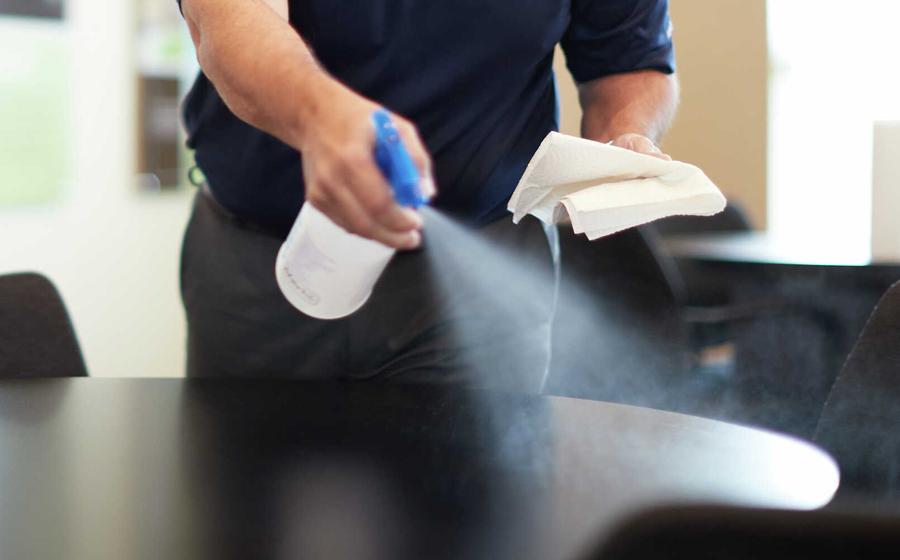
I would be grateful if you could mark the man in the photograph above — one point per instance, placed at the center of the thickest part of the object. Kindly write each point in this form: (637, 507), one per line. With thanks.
(471, 87)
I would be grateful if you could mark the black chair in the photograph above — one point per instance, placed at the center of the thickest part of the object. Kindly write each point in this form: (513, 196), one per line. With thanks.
(36, 335)
(723, 533)
(699, 288)
(618, 334)
(732, 219)
(860, 424)
(624, 332)
(775, 357)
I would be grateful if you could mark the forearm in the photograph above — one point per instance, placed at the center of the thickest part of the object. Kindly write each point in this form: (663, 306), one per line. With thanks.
(260, 66)
(641, 102)
(269, 78)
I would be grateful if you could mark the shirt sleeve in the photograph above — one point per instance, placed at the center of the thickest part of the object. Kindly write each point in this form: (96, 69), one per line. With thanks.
(614, 36)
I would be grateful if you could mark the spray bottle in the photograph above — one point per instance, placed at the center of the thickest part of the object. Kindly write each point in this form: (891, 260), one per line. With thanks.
(327, 272)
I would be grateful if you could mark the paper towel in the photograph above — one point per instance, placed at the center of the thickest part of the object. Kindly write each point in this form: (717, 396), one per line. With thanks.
(604, 189)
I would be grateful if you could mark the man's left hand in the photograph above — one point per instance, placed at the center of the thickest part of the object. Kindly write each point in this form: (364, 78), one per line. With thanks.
(641, 145)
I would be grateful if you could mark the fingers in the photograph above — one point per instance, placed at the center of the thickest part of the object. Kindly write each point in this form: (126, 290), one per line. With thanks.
(353, 192)
(378, 228)
(641, 145)
(345, 183)
(372, 190)
(341, 205)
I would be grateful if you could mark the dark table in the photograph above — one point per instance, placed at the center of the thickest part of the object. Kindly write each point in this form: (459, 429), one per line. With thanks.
(131, 469)
(759, 247)
(841, 280)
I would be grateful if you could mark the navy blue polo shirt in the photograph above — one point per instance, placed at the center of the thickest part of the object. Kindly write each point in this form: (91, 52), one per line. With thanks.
(475, 76)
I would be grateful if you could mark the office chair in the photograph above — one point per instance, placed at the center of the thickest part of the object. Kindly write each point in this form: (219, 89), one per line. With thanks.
(700, 289)
(860, 423)
(36, 335)
(732, 219)
(775, 357)
(726, 533)
(618, 334)
(625, 333)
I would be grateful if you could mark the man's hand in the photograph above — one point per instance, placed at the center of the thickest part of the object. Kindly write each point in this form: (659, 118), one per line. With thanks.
(630, 110)
(342, 178)
(269, 78)
(641, 145)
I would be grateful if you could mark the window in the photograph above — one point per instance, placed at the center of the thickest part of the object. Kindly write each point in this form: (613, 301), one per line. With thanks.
(34, 109)
(166, 68)
(833, 74)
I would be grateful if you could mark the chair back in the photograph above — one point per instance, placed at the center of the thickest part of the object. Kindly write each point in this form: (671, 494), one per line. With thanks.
(732, 219)
(860, 423)
(36, 335)
(725, 533)
(618, 334)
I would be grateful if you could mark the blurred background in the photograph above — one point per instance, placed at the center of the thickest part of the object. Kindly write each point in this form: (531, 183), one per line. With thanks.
(779, 101)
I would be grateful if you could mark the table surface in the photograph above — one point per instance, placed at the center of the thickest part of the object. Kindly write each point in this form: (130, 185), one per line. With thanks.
(766, 248)
(128, 468)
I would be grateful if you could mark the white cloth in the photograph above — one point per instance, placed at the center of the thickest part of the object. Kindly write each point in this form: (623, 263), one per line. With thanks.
(605, 189)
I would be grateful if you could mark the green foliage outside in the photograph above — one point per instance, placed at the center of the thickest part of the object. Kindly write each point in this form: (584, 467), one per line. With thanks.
(34, 112)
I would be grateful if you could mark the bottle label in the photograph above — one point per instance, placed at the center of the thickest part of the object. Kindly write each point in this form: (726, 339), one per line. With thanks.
(309, 263)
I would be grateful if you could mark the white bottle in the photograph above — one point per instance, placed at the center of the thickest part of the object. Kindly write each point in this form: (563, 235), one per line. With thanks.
(325, 271)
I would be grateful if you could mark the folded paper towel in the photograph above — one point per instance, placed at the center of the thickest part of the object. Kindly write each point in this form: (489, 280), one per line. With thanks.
(605, 189)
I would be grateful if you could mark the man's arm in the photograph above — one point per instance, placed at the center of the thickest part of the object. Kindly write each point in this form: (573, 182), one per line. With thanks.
(252, 55)
(632, 110)
(269, 78)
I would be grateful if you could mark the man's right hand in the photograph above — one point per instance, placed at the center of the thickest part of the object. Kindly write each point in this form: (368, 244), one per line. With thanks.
(343, 180)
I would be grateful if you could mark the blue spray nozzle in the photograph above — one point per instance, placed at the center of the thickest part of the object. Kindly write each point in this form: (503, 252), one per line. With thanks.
(395, 162)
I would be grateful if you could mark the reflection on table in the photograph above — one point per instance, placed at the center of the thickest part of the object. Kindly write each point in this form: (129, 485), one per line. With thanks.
(94, 469)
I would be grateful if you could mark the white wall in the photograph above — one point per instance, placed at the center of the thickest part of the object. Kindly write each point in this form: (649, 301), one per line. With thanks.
(722, 124)
(116, 264)
(112, 252)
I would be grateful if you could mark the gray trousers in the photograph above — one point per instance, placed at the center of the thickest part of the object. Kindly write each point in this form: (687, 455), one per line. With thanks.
(472, 308)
